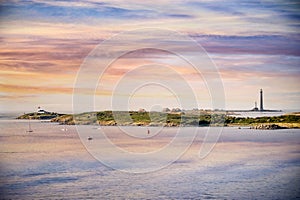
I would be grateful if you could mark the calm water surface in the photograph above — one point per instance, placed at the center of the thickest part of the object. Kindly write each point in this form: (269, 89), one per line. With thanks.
(50, 163)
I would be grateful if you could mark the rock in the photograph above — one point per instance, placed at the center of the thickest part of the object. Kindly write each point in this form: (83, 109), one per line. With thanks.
(267, 127)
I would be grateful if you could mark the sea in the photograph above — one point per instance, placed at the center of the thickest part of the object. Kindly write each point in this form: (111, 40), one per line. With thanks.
(60, 162)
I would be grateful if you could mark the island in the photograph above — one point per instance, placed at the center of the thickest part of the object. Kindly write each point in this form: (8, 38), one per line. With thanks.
(168, 119)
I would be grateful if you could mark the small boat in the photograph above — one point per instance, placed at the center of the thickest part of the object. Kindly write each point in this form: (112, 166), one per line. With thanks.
(64, 128)
(29, 127)
(89, 138)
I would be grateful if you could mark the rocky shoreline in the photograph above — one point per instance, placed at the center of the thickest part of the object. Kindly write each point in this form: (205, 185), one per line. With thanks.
(267, 127)
(171, 119)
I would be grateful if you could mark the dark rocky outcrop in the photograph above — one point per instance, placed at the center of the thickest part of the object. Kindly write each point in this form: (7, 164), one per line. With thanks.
(267, 127)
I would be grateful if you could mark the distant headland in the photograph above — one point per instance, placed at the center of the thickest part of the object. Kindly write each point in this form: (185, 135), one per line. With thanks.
(167, 119)
(172, 117)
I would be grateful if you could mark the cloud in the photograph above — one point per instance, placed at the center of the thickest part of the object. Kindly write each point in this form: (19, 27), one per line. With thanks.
(44, 42)
(44, 55)
(14, 97)
(181, 16)
(71, 11)
(224, 7)
(33, 89)
(254, 44)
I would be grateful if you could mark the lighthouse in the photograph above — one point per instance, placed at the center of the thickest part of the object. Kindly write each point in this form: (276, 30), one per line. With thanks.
(261, 100)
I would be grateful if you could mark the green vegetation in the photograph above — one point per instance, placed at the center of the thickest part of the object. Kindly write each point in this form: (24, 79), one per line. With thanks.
(135, 118)
(64, 119)
(275, 119)
(40, 116)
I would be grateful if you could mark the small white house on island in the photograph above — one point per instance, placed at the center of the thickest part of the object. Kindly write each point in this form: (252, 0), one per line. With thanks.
(41, 111)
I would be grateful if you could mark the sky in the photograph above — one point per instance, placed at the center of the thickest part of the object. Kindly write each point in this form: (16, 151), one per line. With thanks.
(251, 44)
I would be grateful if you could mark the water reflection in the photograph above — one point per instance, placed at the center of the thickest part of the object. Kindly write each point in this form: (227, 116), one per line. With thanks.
(49, 163)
